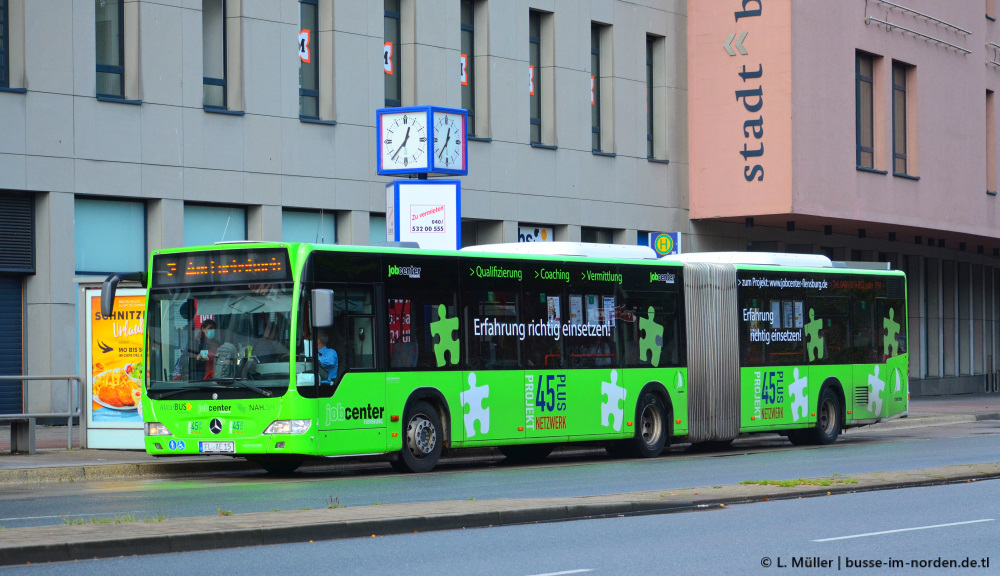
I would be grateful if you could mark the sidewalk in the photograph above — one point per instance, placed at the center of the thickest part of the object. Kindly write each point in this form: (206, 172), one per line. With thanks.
(54, 462)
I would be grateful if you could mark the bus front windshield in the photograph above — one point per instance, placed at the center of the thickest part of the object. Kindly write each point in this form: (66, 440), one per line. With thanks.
(219, 341)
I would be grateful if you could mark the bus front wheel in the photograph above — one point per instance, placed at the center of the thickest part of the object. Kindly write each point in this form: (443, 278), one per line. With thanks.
(422, 439)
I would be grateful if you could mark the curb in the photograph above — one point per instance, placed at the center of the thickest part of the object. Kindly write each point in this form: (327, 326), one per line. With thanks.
(78, 542)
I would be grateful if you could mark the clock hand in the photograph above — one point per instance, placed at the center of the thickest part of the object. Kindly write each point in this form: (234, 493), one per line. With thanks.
(407, 137)
(446, 140)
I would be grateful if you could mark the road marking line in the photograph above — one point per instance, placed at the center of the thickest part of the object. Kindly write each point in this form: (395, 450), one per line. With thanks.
(904, 530)
(577, 571)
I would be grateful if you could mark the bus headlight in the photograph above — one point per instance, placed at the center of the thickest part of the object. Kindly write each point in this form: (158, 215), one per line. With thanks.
(156, 429)
(289, 427)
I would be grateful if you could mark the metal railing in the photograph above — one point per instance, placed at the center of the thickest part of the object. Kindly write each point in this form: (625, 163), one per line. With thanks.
(69, 414)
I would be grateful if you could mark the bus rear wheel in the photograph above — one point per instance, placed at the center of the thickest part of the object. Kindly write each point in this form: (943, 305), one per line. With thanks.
(828, 418)
(828, 422)
(422, 439)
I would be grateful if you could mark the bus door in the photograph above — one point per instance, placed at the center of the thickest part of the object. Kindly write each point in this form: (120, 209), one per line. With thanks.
(352, 405)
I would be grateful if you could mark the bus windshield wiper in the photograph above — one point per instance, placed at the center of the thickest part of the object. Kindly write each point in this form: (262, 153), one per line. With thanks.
(175, 391)
(240, 382)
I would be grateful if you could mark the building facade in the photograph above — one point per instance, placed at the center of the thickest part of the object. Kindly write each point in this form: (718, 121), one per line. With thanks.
(128, 126)
(864, 130)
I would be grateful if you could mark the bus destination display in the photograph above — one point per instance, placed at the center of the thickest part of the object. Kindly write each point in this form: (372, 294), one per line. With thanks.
(220, 267)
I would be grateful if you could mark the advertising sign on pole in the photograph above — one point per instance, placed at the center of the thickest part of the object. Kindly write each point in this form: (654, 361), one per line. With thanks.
(427, 212)
(115, 370)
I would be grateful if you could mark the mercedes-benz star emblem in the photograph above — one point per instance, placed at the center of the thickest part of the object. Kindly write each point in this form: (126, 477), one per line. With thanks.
(215, 426)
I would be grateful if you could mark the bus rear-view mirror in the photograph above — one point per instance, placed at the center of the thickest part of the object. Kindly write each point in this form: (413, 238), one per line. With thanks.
(322, 308)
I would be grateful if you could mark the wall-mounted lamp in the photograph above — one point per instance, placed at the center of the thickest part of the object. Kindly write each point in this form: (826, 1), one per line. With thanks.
(749, 222)
(790, 226)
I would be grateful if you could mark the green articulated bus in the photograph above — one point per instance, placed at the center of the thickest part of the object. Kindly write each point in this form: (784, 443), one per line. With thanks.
(283, 352)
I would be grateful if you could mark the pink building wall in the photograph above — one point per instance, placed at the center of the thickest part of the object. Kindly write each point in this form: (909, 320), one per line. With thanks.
(807, 50)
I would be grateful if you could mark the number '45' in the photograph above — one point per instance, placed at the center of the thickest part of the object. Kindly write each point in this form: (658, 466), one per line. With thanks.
(552, 399)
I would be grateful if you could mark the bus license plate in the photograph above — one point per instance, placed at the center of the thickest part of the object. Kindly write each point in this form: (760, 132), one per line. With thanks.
(217, 447)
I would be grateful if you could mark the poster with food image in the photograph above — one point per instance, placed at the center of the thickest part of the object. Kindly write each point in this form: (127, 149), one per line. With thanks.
(115, 358)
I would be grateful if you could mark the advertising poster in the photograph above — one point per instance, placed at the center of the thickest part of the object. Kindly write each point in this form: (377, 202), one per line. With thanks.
(575, 309)
(115, 370)
(426, 212)
(609, 306)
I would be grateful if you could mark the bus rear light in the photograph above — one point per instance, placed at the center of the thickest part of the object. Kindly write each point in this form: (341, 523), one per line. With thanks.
(289, 427)
(156, 429)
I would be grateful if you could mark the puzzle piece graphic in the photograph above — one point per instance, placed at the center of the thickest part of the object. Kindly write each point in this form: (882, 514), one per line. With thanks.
(816, 342)
(472, 399)
(899, 381)
(445, 329)
(800, 400)
(889, 345)
(615, 406)
(652, 341)
(875, 395)
(680, 381)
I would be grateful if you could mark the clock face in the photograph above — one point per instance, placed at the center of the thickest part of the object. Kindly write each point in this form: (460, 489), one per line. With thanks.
(404, 141)
(449, 133)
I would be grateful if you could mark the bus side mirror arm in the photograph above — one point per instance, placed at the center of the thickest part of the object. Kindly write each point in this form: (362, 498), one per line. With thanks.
(111, 285)
(322, 308)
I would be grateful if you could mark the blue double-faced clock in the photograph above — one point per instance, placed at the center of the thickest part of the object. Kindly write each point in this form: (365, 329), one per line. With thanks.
(421, 140)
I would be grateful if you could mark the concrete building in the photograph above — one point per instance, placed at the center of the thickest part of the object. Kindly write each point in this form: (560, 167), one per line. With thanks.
(132, 125)
(865, 130)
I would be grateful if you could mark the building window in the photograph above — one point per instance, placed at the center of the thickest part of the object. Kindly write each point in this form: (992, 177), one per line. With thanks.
(534, 73)
(991, 143)
(899, 119)
(305, 226)
(595, 87)
(390, 55)
(377, 228)
(102, 249)
(4, 45)
(110, 39)
(656, 97)
(649, 97)
(308, 60)
(206, 225)
(468, 58)
(597, 235)
(213, 35)
(864, 96)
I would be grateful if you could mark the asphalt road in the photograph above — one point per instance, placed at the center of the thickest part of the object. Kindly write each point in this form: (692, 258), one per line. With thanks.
(755, 459)
(958, 522)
